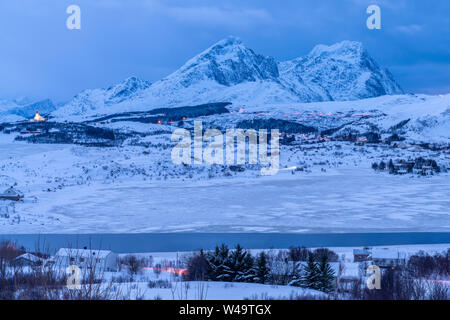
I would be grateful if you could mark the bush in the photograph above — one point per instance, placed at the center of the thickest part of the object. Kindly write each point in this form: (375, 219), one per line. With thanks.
(134, 264)
(298, 254)
(329, 254)
(197, 267)
(163, 284)
(424, 265)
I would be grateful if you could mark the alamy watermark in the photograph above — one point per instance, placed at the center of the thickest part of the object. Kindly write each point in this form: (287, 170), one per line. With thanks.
(74, 277)
(73, 22)
(374, 280)
(374, 20)
(227, 148)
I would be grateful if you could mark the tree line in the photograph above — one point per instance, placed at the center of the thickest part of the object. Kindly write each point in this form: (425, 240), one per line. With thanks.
(298, 267)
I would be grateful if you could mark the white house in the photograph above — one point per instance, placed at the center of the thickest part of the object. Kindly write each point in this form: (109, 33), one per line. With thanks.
(28, 259)
(388, 258)
(86, 258)
(11, 194)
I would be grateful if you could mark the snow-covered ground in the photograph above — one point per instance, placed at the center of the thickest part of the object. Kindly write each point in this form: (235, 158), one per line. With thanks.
(196, 290)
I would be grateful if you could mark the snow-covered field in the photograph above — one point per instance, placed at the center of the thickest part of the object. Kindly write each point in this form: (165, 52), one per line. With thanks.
(198, 290)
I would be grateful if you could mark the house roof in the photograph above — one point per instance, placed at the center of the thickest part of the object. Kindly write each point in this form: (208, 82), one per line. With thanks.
(82, 253)
(29, 257)
(387, 254)
(361, 251)
(11, 191)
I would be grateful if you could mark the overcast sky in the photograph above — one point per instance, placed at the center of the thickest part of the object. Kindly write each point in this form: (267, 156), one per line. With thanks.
(40, 57)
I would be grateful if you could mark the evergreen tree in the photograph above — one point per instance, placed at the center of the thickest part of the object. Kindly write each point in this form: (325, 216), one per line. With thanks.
(261, 269)
(297, 277)
(219, 264)
(326, 275)
(375, 166)
(310, 277)
(241, 265)
(391, 167)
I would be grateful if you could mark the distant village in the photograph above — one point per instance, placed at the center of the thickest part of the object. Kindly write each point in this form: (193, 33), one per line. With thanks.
(419, 166)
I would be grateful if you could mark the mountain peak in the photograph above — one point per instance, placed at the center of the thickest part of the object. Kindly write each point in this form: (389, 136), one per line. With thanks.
(127, 88)
(344, 71)
(229, 41)
(229, 48)
(227, 62)
(343, 48)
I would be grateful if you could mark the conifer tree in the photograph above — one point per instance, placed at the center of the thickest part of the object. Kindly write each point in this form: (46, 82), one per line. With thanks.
(310, 277)
(297, 276)
(219, 264)
(391, 167)
(241, 265)
(326, 275)
(261, 269)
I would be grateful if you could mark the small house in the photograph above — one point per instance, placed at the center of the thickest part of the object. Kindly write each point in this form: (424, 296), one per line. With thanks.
(28, 260)
(387, 258)
(11, 194)
(361, 255)
(105, 260)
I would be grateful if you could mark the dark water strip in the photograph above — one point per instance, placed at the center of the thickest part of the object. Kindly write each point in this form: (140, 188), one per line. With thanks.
(170, 242)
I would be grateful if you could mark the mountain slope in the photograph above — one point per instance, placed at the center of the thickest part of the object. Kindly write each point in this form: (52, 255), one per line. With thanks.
(93, 101)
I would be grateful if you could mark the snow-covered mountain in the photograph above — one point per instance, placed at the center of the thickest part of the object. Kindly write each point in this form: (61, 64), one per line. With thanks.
(229, 71)
(343, 71)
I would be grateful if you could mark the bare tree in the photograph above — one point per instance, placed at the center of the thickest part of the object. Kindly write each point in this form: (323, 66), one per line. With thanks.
(134, 265)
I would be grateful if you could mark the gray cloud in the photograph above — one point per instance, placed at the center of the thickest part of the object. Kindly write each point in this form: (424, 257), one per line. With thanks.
(150, 38)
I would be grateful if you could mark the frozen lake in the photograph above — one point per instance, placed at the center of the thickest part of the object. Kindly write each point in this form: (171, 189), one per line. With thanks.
(342, 202)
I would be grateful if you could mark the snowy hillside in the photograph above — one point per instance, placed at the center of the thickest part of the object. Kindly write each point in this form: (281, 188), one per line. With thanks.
(229, 71)
(17, 110)
(424, 118)
(91, 100)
